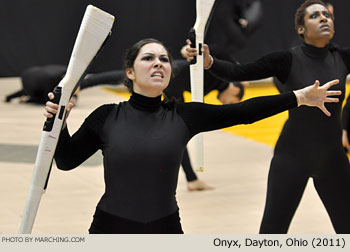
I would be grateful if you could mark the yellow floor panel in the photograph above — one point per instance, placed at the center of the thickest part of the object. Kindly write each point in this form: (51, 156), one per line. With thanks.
(265, 131)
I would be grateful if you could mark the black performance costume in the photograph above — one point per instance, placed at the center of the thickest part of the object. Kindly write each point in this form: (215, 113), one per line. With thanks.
(178, 84)
(310, 142)
(142, 141)
(346, 118)
(38, 81)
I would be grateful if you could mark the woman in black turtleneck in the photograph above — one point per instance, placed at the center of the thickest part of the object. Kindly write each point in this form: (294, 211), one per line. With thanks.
(143, 140)
(310, 144)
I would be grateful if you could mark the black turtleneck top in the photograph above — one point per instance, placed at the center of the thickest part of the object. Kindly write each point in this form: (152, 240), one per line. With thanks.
(309, 138)
(142, 141)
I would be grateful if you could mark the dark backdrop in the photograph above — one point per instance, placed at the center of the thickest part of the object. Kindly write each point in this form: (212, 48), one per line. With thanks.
(39, 32)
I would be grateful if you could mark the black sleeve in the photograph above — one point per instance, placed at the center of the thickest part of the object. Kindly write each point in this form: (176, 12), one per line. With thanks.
(346, 115)
(111, 77)
(200, 117)
(274, 64)
(345, 55)
(180, 81)
(72, 151)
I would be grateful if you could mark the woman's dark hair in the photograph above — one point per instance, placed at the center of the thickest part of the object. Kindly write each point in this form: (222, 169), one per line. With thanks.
(300, 13)
(132, 53)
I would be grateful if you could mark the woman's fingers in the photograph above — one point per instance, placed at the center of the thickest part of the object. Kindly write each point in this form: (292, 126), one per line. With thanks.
(333, 92)
(50, 95)
(331, 99)
(51, 107)
(70, 106)
(330, 83)
(190, 53)
(207, 58)
(317, 95)
(189, 59)
(205, 50)
(317, 84)
(49, 112)
(323, 108)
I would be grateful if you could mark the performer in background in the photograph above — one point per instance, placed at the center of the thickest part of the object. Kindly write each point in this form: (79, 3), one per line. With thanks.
(36, 82)
(143, 140)
(310, 144)
(231, 24)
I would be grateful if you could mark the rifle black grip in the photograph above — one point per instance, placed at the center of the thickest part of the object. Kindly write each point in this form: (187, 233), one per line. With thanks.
(192, 38)
(49, 121)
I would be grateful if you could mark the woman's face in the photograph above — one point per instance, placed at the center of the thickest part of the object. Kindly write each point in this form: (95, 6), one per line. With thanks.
(151, 71)
(318, 28)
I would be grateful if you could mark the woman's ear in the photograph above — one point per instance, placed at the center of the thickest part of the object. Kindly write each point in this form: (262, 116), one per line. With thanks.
(130, 73)
(301, 30)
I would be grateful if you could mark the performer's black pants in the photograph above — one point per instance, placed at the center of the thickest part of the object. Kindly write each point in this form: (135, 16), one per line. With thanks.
(105, 223)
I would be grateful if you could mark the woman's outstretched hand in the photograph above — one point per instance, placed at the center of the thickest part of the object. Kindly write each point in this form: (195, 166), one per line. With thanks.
(189, 53)
(316, 96)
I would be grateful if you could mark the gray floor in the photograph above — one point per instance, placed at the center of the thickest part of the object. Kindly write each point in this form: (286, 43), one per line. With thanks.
(237, 167)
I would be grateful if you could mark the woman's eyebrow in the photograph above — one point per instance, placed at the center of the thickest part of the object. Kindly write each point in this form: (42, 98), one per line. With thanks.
(315, 12)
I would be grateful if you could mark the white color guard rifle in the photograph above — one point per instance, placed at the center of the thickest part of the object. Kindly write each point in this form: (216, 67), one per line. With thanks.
(95, 28)
(196, 35)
